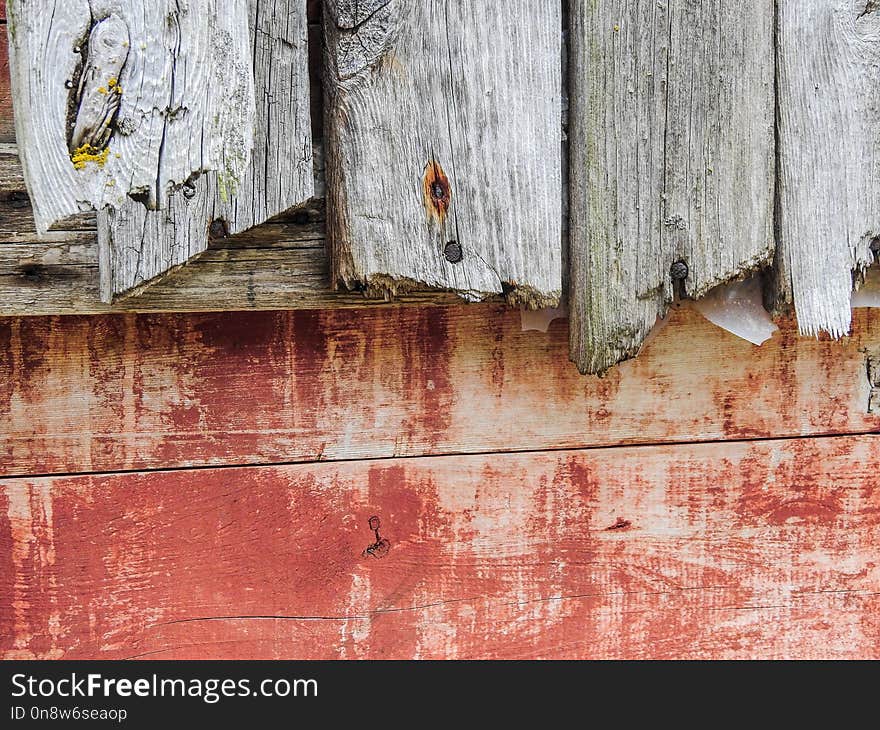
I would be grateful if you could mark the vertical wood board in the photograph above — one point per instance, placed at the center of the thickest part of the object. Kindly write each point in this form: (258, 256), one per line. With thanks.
(124, 97)
(137, 245)
(671, 161)
(444, 146)
(828, 58)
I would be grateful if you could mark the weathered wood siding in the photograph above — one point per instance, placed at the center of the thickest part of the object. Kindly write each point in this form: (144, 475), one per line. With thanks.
(760, 549)
(829, 155)
(160, 391)
(671, 161)
(137, 245)
(202, 485)
(130, 98)
(758, 541)
(444, 146)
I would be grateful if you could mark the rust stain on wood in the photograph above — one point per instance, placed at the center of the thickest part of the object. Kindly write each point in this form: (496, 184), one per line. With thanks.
(496, 556)
(438, 192)
(146, 391)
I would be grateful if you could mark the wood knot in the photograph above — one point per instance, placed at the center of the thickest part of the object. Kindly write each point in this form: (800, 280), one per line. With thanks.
(219, 228)
(620, 524)
(438, 193)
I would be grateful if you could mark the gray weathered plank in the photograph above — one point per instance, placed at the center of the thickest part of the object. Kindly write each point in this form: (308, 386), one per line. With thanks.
(828, 58)
(282, 264)
(127, 97)
(671, 160)
(444, 162)
(138, 245)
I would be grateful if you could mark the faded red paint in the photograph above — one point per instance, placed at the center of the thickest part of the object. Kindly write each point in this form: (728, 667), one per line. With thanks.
(144, 391)
(490, 556)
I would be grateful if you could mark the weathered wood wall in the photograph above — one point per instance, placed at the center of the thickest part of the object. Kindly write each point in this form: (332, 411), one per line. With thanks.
(671, 161)
(206, 480)
(201, 485)
(445, 146)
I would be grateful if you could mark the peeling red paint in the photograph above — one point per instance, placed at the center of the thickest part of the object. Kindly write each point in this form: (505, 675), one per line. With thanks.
(491, 556)
(140, 391)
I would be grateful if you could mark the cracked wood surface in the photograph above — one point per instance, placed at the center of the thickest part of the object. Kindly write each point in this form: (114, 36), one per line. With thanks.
(671, 160)
(829, 156)
(125, 97)
(282, 264)
(444, 146)
(162, 391)
(137, 245)
(735, 550)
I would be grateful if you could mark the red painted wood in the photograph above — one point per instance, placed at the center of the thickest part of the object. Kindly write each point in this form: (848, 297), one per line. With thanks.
(134, 392)
(751, 549)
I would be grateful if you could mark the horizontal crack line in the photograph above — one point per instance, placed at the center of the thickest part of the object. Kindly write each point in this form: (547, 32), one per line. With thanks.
(440, 455)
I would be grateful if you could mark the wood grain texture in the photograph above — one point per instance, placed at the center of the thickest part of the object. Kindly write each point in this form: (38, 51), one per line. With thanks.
(716, 551)
(444, 139)
(125, 97)
(7, 125)
(138, 245)
(829, 156)
(279, 265)
(140, 392)
(671, 139)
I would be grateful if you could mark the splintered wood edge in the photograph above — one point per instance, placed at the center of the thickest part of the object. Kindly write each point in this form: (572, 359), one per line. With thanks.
(281, 264)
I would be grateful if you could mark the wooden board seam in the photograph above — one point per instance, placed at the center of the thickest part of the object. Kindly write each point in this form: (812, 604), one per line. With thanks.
(443, 455)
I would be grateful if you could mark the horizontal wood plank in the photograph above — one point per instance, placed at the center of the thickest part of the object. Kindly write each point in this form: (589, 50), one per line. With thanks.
(283, 268)
(81, 394)
(715, 551)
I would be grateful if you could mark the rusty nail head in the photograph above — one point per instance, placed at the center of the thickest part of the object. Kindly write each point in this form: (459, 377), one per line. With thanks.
(452, 251)
(219, 228)
(679, 270)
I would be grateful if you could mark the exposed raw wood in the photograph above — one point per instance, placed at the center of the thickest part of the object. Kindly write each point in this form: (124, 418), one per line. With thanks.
(443, 128)
(829, 156)
(671, 160)
(275, 266)
(137, 244)
(7, 126)
(158, 391)
(693, 551)
(128, 98)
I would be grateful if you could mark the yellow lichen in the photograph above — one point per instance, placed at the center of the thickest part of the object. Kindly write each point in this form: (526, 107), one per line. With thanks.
(85, 154)
(102, 89)
(111, 83)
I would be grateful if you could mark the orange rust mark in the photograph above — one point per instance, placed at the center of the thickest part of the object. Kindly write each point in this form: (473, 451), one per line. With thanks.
(438, 192)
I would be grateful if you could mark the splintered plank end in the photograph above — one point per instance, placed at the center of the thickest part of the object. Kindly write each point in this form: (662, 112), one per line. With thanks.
(442, 171)
(671, 163)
